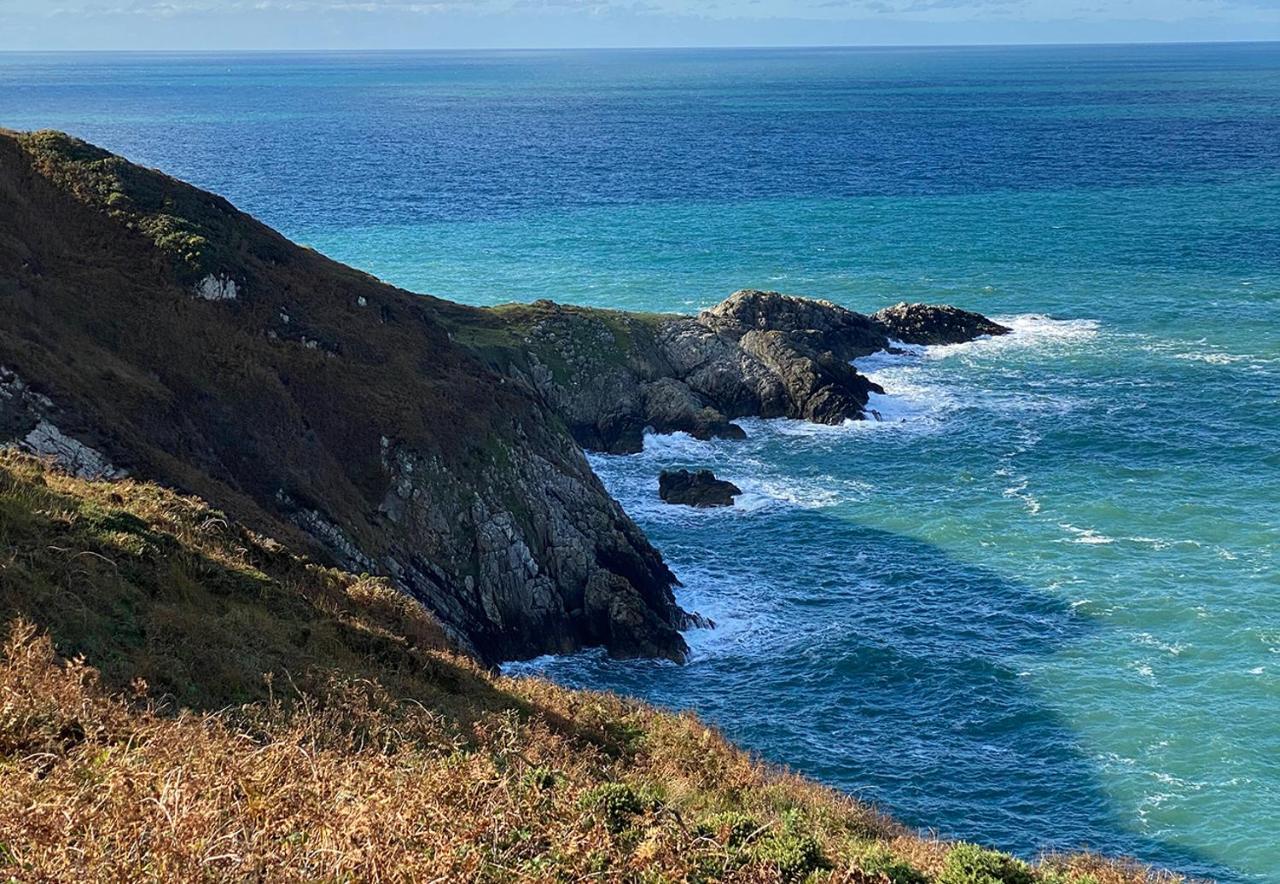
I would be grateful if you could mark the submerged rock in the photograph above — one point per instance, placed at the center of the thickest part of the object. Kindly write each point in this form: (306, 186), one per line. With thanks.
(698, 489)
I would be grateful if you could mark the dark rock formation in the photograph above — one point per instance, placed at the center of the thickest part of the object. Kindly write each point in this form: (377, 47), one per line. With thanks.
(928, 324)
(700, 489)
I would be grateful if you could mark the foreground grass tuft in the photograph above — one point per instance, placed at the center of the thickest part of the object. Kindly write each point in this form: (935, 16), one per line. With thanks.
(181, 699)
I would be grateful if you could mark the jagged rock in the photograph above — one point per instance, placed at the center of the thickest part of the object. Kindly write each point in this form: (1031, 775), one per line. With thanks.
(929, 324)
(698, 489)
(26, 420)
(671, 407)
(70, 454)
(810, 325)
(217, 288)
(756, 353)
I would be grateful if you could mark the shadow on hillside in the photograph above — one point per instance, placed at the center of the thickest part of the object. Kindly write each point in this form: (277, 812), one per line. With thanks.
(884, 666)
(204, 633)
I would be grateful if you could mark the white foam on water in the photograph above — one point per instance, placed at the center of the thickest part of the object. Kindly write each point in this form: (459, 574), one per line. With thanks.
(1030, 330)
(1143, 669)
(1201, 350)
(1148, 640)
(633, 479)
(1085, 535)
(676, 445)
(1019, 491)
(917, 396)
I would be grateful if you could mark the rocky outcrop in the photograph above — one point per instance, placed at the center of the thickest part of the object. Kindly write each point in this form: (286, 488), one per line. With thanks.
(27, 421)
(217, 288)
(697, 489)
(931, 325)
(611, 375)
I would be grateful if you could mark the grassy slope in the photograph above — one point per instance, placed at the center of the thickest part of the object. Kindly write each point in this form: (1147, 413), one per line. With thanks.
(251, 715)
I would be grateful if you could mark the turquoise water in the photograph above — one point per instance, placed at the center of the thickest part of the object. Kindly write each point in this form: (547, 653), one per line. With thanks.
(1040, 604)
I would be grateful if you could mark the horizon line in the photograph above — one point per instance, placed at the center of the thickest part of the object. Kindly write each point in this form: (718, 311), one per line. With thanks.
(648, 48)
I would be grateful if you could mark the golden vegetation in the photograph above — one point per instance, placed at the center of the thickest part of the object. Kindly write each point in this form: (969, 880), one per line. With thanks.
(183, 700)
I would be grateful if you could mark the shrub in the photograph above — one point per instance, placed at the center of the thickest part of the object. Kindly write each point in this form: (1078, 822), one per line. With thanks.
(878, 861)
(731, 828)
(616, 803)
(794, 852)
(971, 864)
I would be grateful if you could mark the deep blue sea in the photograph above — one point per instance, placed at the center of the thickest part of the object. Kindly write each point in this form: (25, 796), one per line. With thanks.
(1039, 605)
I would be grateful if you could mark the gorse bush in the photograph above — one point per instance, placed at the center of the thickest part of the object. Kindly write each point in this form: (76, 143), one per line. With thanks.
(971, 864)
(616, 803)
(880, 863)
(793, 850)
(731, 828)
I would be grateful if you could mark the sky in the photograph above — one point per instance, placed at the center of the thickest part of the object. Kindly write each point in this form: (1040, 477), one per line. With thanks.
(469, 24)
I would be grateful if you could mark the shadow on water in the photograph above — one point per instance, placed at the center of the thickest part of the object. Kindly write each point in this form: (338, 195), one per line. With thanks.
(886, 667)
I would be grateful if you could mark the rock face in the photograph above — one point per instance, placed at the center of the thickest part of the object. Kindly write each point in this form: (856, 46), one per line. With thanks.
(698, 489)
(925, 324)
(26, 418)
(760, 354)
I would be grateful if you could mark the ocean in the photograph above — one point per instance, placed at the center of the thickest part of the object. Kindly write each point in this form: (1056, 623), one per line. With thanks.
(1038, 605)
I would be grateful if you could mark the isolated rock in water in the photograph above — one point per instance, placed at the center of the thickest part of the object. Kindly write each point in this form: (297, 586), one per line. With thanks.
(700, 489)
(930, 324)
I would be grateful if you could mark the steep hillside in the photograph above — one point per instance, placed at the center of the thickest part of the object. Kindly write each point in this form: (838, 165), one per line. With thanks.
(152, 329)
(182, 698)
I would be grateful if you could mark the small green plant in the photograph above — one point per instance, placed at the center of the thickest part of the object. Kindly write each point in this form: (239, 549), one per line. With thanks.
(878, 861)
(616, 803)
(541, 779)
(971, 864)
(731, 828)
(794, 851)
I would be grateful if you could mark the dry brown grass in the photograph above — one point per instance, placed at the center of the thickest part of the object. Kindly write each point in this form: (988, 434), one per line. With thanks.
(375, 755)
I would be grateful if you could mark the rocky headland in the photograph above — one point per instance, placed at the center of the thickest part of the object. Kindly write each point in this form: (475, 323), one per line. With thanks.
(152, 330)
(612, 375)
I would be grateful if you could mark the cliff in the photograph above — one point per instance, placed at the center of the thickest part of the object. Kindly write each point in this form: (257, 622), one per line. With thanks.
(153, 330)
